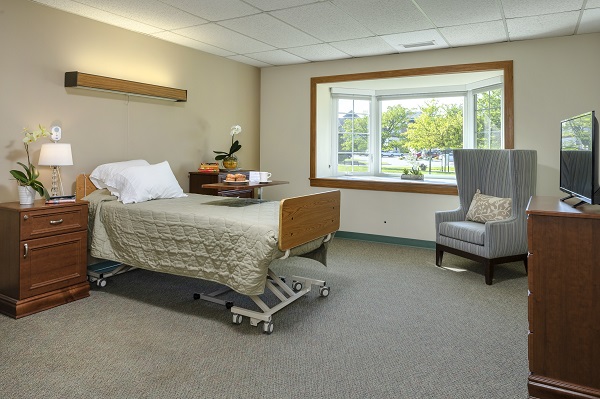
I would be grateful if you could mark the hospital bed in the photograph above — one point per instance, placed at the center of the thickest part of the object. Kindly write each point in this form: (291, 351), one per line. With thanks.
(231, 241)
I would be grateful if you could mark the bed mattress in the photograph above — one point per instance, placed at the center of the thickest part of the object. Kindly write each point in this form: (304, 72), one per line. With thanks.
(231, 241)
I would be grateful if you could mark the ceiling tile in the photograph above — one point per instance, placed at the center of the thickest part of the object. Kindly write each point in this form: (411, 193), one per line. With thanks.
(270, 30)
(563, 24)
(151, 12)
(224, 38)
(270, 5)
(249, 61)
(590, 21)
(399, 40)
(592, 4)
(323, 21)
(364, 47)
(185, 41)
(214, 10)
(521, 8)
(277, 57)
(483, 32)
(318, 52)
(100, 15)
(385, 16)
(450, 13)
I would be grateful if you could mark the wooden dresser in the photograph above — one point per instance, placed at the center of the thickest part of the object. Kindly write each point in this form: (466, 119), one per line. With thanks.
(564, 299)
(197, 179)
(43, 256)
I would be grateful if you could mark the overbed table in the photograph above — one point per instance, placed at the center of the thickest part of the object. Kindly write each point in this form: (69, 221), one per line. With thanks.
(259, 186)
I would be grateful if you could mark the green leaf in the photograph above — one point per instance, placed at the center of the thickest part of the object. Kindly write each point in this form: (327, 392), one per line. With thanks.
(220, 152)
(39, 187)
(20, 176)
(219, 157)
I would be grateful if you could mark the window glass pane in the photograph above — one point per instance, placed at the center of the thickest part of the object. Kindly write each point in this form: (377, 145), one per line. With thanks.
(488, 115)
(354, 136)
(418, 134)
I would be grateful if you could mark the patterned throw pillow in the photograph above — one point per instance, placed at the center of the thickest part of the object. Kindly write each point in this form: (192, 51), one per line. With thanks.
(485, 208)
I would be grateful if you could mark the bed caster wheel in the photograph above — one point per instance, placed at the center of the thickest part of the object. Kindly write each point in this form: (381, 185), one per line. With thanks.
(296, 285)
(268, 327)
(196, 296)
(237, 319)
(324, 291)
(101, 283)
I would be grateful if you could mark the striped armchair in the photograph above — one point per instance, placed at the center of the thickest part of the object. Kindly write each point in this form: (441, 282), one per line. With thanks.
(498, 173)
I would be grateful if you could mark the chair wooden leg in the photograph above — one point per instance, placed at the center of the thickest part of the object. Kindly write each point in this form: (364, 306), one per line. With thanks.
(489, 272)
(439, 254)
(525, 263)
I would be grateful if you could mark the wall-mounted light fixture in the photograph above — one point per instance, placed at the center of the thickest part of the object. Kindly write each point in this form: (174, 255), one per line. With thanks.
(94, 82)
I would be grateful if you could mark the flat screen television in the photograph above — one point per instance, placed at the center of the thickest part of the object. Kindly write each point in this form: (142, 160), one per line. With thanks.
(579, 158)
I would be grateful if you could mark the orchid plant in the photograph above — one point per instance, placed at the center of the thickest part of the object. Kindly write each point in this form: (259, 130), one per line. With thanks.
(414, 162)
(29, 177)
(235, 145)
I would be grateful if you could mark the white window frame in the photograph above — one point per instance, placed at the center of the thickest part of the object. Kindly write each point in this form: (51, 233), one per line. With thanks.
(468, 92)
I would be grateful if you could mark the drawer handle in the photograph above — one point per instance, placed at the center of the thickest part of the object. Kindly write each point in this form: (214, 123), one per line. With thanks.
(59, 221)
(26, 250)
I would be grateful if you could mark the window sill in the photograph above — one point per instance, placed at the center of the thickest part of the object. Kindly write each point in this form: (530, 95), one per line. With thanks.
(386, 184)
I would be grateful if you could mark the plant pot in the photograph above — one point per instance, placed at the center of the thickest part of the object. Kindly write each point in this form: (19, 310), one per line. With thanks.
(412, 177)
(26, 195)
(230, 163)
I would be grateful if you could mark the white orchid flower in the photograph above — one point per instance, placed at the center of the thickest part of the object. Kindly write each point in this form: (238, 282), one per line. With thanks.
(236, 129)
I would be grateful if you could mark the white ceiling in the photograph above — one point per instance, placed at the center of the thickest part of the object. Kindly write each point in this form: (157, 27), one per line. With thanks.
(281, 32)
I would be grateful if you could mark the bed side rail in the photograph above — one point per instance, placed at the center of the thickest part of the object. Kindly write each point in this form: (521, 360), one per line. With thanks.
(303, 219)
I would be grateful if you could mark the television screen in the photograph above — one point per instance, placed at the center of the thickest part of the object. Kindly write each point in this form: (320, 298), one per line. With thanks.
(578, 157)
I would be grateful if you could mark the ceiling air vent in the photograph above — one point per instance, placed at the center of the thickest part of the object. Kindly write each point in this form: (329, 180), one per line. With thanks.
(420, 44)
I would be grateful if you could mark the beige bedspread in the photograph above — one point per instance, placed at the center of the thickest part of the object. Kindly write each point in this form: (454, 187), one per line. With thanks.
(227, 240)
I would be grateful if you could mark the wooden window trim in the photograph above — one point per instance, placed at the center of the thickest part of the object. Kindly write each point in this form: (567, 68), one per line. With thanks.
(402, 186)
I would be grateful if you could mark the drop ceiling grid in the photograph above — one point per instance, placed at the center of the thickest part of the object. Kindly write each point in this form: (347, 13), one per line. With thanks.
(280, 32)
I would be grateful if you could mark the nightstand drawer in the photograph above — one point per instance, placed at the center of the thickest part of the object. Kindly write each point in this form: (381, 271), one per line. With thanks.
(50, 221)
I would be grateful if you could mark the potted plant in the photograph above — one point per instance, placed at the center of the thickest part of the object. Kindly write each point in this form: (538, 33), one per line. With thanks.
(230, 161)
(28, 179)
(414, 172)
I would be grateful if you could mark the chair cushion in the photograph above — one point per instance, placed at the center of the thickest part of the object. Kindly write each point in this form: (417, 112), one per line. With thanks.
(485, 208)
(471, 232)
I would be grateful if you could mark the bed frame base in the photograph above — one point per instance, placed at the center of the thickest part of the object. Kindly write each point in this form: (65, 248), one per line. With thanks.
(286, 295)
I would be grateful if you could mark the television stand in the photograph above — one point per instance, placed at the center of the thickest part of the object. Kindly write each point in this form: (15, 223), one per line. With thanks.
(579, 203)
(567, 197)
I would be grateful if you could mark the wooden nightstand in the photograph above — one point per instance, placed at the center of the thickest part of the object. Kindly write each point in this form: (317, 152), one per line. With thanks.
(197, 179)
(43, 256)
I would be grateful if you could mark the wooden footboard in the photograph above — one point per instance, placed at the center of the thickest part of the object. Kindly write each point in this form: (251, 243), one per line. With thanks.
(303, 219)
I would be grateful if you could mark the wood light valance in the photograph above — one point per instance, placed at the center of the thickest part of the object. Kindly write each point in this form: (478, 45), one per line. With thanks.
(94, 82)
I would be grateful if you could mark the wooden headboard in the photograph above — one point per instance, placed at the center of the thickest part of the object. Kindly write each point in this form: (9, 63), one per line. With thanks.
(83, 186)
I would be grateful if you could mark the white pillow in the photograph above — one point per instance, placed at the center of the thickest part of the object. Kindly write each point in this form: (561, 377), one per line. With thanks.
(102, 176)
(144, 183)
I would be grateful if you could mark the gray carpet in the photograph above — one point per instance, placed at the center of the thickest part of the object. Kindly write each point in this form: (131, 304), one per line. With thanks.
(394, 326)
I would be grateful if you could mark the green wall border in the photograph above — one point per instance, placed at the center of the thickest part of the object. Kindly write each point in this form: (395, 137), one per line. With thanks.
(409, 242)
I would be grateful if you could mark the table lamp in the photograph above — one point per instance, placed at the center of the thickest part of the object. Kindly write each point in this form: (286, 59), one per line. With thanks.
(56, 155)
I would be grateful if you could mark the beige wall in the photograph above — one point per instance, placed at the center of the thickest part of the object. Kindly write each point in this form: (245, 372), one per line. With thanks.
(39, 44)
(553, 79)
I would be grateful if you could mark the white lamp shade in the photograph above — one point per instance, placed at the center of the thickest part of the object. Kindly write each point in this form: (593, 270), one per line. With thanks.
(56, 154)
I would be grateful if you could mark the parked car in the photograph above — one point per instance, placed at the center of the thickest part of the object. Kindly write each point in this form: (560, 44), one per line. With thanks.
(391, 154)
